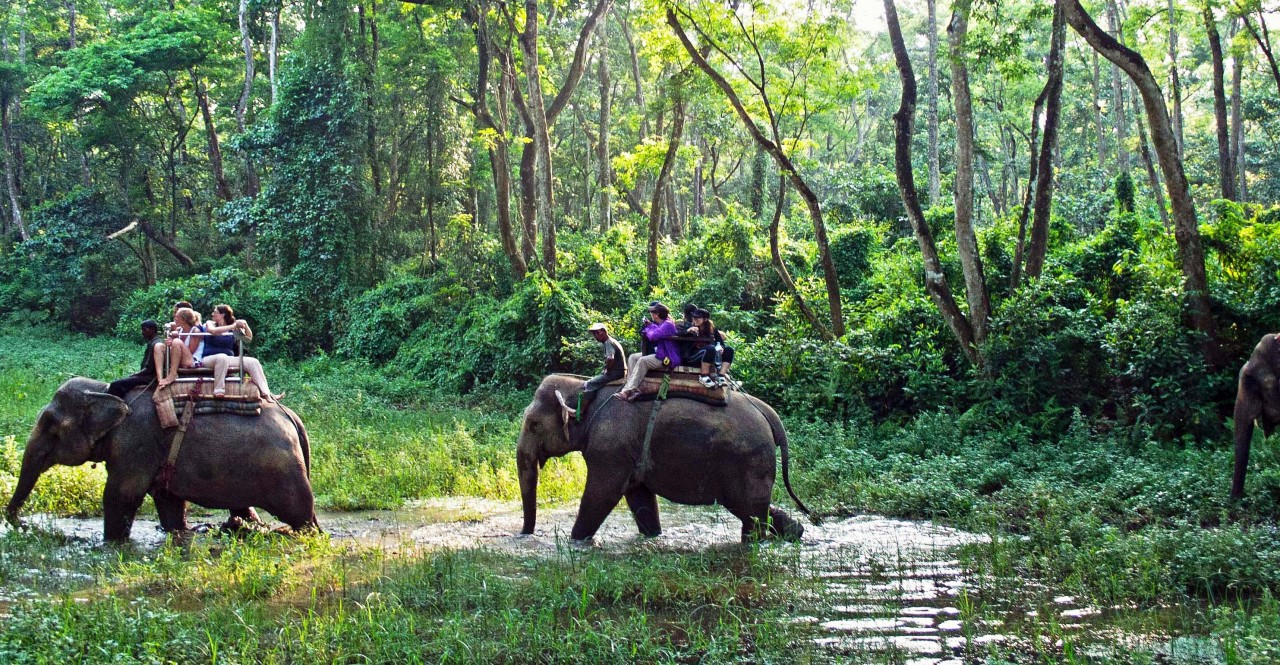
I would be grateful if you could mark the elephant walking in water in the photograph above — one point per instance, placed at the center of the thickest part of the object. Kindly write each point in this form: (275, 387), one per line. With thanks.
(1257, 398)
(699, 454)
(226, 461)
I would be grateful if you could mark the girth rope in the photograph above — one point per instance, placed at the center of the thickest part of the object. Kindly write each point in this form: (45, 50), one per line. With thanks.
(170, 465)
(646, 460)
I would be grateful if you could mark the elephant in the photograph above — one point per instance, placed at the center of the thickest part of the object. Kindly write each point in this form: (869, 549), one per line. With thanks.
(1257, 398)
(226, 461)
(701, 454)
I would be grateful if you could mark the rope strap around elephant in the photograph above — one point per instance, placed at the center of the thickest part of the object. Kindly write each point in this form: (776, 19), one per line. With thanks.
(170, 465)
(645, 465)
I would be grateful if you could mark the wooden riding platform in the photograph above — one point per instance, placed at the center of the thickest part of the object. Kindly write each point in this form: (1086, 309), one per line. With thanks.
(195, 387)
(681, 382)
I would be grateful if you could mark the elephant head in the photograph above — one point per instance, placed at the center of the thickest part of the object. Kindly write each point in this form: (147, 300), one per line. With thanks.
(67, 432)
(544, 433)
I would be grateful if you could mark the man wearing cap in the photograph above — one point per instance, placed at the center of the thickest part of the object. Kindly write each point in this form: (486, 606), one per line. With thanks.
(615, 367)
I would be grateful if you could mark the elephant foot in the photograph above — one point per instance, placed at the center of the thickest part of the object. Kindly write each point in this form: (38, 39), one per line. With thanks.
(781, 525)
(239, 525)
(181, 537)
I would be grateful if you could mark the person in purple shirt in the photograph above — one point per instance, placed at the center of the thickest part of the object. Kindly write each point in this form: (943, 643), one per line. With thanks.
(659, 331)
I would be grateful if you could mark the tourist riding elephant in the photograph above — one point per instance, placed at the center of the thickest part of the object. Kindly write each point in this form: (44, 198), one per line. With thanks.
(226, 461)
(1257, 398)
(700, 454)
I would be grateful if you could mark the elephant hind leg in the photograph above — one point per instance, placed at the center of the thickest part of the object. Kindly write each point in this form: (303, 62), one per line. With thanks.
(171, 510)
(644, 508)
(602, 493)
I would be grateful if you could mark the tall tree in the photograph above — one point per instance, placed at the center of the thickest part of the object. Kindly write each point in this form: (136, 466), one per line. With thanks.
(966, 240)
(660, 187)
(935, 179)
(1044, 183)
(1186, 229)
(772, 144)
(935, 279)
(1175, 85)
(1226, 161)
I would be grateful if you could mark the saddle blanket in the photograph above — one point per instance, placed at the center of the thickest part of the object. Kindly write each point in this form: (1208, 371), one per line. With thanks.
(242, 398)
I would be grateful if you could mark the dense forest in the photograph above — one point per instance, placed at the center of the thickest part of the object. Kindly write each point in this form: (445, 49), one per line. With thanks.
(888, 225)
(996, 264)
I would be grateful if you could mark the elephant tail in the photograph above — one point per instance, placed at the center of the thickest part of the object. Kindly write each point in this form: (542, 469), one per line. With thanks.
(303, 440)
(780, 439)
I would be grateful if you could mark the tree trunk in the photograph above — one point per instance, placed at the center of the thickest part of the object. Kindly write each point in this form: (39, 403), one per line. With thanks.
(71, 22)
(1226, 162)
(635, 76)
(1033, 174)
(1175, 86)
(1186, 229)
(540, 117)
(273, 51)
(935, 279)
(221, 187)
(1044, 183)
(246, 44)
(785, 165)
(660, 188)
(935, 186)
(252, 184)
(11, 168)
(1118, 119)
(1152, 179)
(367, 54)
(1237, 127)
(1097, 113)
(1263, 39)
(498, 148)
(604, 166)
(779, 266)
(966, 240)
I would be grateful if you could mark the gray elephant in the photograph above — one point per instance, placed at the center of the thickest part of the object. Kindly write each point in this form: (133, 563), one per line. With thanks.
(1257, 398)
(226, 461)
(700, 454)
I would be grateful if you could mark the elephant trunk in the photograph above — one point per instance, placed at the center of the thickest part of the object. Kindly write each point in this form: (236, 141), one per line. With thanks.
(527, 466)
(34, 463)
(1244, 416)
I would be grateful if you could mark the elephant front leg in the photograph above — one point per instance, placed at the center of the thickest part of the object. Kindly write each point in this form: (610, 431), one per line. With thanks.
(602, 494)
(644, 508)
(120, 503)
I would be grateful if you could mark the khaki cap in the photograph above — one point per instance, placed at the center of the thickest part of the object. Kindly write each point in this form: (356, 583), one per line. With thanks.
(597, 326)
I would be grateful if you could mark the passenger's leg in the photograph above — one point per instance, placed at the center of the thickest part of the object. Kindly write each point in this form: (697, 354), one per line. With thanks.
(641, 368)
(179, 356)
(221, 365)
(254, 368)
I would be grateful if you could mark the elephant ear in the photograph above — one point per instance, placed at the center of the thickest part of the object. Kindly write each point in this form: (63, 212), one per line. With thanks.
(94, 414)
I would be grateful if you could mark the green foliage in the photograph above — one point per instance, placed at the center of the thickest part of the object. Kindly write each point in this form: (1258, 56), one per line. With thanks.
(316, 214)
(1124, 192)
(69, 269)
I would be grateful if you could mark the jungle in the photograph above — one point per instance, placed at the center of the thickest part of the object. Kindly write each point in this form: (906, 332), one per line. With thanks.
(996, 264)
